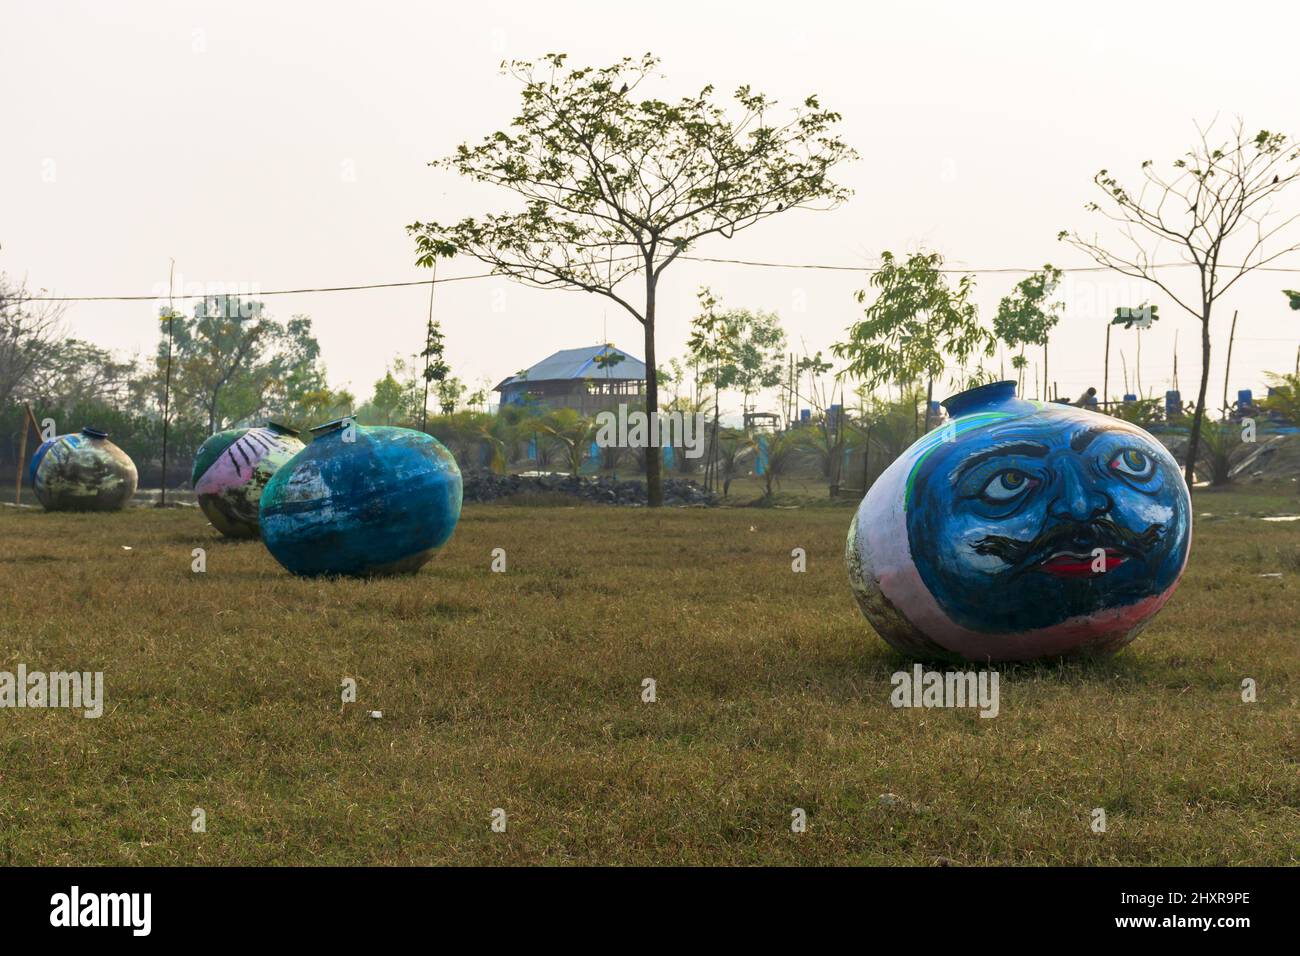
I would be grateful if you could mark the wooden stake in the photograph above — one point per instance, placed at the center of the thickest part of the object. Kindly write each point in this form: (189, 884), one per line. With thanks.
(22, 458)
(29, 421)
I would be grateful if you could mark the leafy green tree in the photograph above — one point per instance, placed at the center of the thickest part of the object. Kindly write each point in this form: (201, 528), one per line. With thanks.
(435, 366)
(299, 392)
(760, 347)
(388, 397)
(916, 323)
(450, 391)
(713, 344)
(1217, 206)
(1028, 315)
(737, 348)
(233, 363)
(217, 360)
(617, 184)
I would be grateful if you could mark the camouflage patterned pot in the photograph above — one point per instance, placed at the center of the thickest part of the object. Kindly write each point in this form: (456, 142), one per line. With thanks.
(82, 472)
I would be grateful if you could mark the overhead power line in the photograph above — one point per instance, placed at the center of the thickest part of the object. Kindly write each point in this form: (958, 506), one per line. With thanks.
(258, 294)
(864, 270)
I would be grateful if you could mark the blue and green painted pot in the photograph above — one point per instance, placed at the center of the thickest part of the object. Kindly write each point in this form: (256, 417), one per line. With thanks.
(231, 469)
(82, 472)
(361, 500)
(1020, 530)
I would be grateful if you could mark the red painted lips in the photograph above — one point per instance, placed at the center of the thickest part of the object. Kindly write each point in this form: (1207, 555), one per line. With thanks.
(1066, 564)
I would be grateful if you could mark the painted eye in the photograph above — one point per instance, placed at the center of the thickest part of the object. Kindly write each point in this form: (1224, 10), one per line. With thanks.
(1133, 464)
(1007, 486)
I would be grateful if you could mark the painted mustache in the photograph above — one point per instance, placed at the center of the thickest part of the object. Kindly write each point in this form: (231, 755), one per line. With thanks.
(1073, 538)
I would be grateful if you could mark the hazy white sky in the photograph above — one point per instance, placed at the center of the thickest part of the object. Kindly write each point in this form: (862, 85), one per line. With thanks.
(269, 146)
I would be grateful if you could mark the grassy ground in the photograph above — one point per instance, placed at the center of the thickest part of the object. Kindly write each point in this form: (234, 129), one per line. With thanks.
(522, 691)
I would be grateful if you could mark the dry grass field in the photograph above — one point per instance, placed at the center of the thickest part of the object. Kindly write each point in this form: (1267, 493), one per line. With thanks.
(522, 690)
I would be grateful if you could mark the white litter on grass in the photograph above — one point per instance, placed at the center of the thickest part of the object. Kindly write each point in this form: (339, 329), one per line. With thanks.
(376, 714)
(1282, 518)
(1271, 574)
(888, 799)
(126, 547)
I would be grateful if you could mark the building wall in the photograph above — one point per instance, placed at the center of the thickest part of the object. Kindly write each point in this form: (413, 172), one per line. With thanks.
(574, 394)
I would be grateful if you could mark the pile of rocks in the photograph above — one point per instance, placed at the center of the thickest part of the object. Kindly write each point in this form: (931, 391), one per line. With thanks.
(488, 486)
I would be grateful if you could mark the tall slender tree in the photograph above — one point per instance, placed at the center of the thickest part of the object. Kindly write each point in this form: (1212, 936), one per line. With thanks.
(616, 184)
(1028, 315)
(915, 324)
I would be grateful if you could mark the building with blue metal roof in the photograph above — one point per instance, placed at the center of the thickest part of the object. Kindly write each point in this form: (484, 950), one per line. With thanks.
(587, 379)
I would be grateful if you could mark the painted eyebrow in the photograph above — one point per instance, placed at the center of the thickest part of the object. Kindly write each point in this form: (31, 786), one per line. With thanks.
(1031, 449)
(1083, 439)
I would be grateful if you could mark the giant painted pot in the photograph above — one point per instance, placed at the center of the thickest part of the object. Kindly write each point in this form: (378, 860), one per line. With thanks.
(1020, 530)
(361, 500)
(82, 472)
(231, 470)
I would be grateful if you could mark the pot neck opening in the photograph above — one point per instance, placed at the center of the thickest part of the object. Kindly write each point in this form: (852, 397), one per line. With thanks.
(980, 399)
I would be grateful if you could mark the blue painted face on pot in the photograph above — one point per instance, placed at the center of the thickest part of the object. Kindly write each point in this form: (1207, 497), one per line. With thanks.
(1027, 523)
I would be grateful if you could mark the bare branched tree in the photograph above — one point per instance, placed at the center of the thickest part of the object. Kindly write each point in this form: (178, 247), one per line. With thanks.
(29, 335)
(1216, 208)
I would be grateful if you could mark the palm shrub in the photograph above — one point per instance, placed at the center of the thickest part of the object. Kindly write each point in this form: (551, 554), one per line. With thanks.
(1284, 402)
(1220, 449)
(571, 432)
(785, 453)
(733, 448)
(1143, 412)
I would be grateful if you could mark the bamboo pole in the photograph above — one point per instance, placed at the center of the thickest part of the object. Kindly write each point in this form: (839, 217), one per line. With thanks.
(1176, 364)
(1137, 368)
(1227, 365)
(424, 406)
(167, 387)
(1105, 375)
